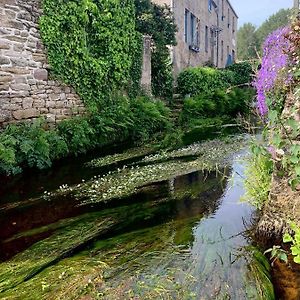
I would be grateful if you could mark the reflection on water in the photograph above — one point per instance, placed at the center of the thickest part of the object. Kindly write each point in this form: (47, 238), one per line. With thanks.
(186, 241)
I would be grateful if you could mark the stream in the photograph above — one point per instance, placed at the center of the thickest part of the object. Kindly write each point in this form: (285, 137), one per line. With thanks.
(186, 235)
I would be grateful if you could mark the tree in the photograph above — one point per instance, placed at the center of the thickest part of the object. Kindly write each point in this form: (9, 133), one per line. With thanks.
(247, 42)
(280, 19)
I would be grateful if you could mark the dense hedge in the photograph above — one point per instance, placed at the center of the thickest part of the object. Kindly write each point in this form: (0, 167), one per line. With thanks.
(243, 73)
(33, 145)
(217, 104)
(205, 80)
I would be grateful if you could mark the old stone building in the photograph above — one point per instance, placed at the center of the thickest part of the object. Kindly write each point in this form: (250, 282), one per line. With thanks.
(206, 32)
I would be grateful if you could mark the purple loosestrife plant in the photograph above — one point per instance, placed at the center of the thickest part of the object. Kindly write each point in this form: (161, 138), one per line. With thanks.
(274, 62)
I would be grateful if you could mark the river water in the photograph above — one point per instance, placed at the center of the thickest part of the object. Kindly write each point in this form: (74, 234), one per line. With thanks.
(187, 237)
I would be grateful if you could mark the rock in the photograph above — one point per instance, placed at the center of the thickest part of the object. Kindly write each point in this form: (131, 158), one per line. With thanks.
(4, 60)
(5, 78)
(41, 74)
(26, 113)
(4, 45)
(20, 87)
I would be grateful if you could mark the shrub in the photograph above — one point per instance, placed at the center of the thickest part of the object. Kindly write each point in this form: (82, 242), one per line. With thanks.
(242, 71)
(148, 117)
(32, 145)
(203, 80)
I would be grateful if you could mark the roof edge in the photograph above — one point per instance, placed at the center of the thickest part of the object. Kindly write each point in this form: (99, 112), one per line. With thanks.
(228, 1)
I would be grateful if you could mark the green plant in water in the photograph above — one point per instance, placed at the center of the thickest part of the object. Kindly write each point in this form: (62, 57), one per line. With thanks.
(294, 239)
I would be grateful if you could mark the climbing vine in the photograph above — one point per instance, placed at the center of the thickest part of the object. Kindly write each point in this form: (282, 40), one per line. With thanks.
(158, 22)
(91, 45)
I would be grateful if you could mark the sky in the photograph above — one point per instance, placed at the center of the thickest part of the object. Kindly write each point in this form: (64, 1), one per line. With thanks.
(257, 11)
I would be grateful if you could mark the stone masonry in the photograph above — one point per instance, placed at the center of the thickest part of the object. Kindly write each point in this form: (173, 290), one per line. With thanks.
(214, 32)
(26, 92)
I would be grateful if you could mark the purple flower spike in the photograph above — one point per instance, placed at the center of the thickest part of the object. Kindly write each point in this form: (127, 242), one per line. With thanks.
(274, 61)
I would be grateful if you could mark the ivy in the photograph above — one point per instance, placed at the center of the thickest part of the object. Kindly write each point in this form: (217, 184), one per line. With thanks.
(91, 45)
(158, 22)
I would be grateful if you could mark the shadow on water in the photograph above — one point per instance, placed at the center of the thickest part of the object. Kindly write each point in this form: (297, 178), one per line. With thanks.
(182, 238)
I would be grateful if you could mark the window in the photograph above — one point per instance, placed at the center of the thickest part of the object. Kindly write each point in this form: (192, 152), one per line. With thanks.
(233, 56)
(227, 51)
(228, 18)
(186, 18)
(206, 38)
(233, 25)
(222, 51)
(191, 30)
(209, 5)
(222, 11)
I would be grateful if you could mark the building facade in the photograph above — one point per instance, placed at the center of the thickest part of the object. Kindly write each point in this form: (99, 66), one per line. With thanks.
(206, 33)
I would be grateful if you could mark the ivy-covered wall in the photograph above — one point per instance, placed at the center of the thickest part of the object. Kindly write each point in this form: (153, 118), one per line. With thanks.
(26, 90)
(91, 45)
(62, 58)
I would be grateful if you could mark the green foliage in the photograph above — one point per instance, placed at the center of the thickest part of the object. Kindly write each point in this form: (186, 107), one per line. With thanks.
(286, 153)
(243, 73)
(218, 103)
(149, 117)
(158, 22)
(134, 88)
(36, 146)
(258, 174)
(247, 42)
(277, 253)
(203, 80)
(277, 20)
(162, 73)
(29, 145)
(295, 240)
(90, 45)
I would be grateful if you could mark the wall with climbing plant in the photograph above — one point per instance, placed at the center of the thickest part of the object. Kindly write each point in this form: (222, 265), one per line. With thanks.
(91, 45)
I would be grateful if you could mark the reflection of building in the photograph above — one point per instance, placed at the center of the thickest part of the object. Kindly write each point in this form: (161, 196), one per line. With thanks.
(206, 32)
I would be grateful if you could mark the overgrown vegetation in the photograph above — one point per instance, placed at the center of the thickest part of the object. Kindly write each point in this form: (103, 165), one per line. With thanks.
(35, 145)
(90, 46)
(158, 22)
(258, 175)
(294, 239)
(213, 97)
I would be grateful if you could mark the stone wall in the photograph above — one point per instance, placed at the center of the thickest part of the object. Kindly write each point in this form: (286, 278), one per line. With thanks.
(146, 67)
(26, 92)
